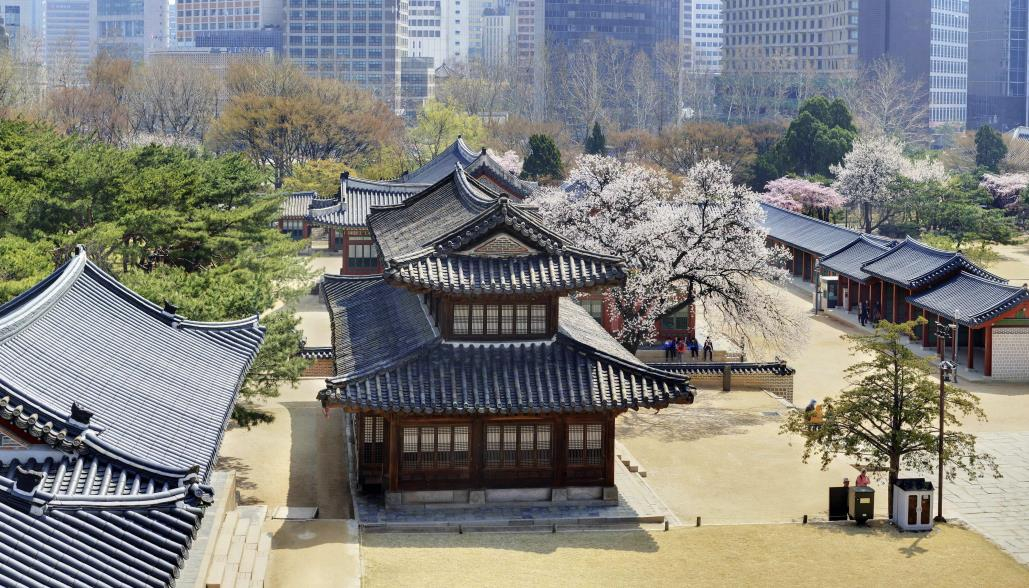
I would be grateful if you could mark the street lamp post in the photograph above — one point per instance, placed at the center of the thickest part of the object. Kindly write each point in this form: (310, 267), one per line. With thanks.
(945, 368)
(954, 345)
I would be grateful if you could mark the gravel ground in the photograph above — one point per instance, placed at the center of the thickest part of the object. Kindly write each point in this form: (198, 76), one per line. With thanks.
(744, 555)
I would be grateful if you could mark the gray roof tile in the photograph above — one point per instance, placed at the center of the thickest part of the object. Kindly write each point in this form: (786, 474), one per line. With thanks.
(914, 265)
(975, 298)
(441, 166)
(848, 260)
(296, 205)
(806, 233)
(160, 387)
(359, 197)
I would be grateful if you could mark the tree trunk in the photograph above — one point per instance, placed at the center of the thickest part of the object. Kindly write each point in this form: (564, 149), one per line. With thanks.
(894, 474)
(866, 215)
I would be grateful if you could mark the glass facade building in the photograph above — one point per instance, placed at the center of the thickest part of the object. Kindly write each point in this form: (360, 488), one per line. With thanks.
(643, 25)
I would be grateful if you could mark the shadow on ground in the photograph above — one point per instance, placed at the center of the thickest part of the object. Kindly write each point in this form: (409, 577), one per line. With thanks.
(542, 543)
(689, 423)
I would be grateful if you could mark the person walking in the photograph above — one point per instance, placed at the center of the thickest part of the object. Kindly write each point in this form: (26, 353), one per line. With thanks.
(669, 348)
(680, 349)
(694, 348)
(709, 349)
(863, 314)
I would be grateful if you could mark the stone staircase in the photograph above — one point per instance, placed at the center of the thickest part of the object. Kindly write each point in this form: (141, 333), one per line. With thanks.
(241, 551)
(622, 454)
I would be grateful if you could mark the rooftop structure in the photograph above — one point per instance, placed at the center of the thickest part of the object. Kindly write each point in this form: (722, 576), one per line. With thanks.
(112, 410)
(465, 348)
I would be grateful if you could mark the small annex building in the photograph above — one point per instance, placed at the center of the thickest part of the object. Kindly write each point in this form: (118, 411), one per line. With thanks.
(466, 373)
(904, 279)
(112, 411)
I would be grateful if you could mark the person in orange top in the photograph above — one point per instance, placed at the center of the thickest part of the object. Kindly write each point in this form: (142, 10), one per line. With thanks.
(862, 480)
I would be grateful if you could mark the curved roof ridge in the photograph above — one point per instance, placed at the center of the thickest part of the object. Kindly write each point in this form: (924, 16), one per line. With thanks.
(862, 238)
(470, 186)
(26, 307)
(1000, 282)
(342, 278)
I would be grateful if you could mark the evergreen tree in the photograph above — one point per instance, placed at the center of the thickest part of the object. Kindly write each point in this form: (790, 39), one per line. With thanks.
(887, 419)
(544, 162)
(819, 137)
(596, 142)
(989, 148)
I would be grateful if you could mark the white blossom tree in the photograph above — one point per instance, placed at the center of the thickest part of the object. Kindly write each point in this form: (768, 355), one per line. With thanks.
(869, 174)
(510, 160)
(702, 244)
(1005, 188)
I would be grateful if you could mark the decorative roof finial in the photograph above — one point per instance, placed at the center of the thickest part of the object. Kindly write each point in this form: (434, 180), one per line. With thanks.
(26, 482)
(80, 417)
(169, 308)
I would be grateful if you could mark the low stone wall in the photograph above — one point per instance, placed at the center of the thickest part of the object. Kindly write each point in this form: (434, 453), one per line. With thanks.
(776, 378)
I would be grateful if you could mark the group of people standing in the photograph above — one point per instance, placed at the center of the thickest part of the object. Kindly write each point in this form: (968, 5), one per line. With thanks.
(869, 313)
(676, 349)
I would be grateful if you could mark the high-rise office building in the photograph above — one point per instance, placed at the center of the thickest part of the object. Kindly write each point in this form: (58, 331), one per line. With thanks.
(23, 21)
(818, 36)
(997, 63)
(128, 29)
(363, 41)
(438, 29)
(930, 39)
(701, 34)
(66, 39)
(194, 17)
(641, 25)
(529, 38)
(497, 40)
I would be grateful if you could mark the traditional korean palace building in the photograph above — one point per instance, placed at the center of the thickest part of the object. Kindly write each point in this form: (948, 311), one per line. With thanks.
(344, 215)
(466, 373)
(906, 279)
(111, 415)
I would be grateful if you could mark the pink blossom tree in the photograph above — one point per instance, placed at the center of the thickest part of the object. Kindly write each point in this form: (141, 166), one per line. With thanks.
(1005, 188)
(510, 160)
(809, 197)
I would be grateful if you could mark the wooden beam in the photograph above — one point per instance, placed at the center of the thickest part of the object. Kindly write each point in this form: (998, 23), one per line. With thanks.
(988, 360)
(393, 451)
(609, 451)
(971, 347)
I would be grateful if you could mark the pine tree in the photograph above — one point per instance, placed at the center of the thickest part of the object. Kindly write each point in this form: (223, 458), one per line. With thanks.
(544, 162)
(989, 148)
(596, 142)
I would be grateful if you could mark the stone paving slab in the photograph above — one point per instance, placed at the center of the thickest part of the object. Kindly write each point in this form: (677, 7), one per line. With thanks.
(997, 508)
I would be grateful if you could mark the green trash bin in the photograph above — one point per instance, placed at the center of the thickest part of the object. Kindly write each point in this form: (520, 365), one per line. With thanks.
(861, 503)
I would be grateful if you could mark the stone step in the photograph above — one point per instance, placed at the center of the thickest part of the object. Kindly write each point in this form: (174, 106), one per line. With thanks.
(242, 551)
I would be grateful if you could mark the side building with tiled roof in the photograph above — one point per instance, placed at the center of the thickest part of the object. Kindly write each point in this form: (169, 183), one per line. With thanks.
(112, 411)
(345, 216)
(903, 280)
(467, 374)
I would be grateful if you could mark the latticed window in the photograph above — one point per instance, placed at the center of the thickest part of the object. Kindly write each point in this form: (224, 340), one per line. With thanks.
(518, 446)
(373, 439)
(538, 320)
(430, 448)
(586, 444)
(522, 319)
(362, 255)
(477, 322)
(461, 319)
(492, 320)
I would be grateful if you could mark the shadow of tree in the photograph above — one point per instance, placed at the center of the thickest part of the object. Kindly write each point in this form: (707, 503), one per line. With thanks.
(243, 481)
(689, 423)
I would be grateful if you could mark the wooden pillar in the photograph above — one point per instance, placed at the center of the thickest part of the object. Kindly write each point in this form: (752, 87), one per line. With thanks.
(855, 293)
(560, 441)
(971, 348)
(394, 454)
(344, 247)
(609, 450)
(332, 239)
(476, 452)
(988, 360)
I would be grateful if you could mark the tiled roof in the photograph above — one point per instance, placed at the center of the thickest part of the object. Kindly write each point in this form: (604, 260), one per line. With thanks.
(580, 370)
(359, 196)
(160, 387)
(373, 322)
(92, 522)
(771, 367)
(806, 233)
(442, 165)
(465, 274)
(848, 260)
(488, 171)
(296, 204)
(422, 241)
(974, 298)
(912, 265)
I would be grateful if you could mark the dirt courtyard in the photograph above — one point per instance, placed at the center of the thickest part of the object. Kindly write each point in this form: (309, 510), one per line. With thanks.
(739, 555)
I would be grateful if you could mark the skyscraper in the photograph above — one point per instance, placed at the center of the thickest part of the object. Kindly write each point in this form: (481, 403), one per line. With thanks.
(66, 43)
(641, 25)
(438, 29)
(701, 33)
(128, 29)
(997, 64)
(362, 42)
(195, 17)
(819, 36)
(930, 39)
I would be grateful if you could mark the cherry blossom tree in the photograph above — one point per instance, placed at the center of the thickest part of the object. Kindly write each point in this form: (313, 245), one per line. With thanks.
(510, 160)
(869, 174)
(811, 198)
(1005, 188)
(701, 244)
